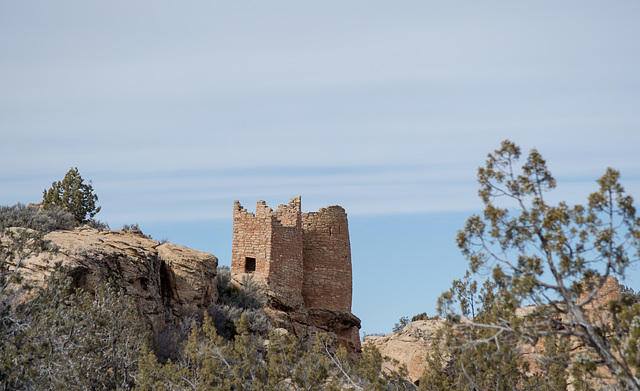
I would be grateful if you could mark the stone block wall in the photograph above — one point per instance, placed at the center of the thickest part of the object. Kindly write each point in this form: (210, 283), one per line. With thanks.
(327, 259)
(305, 258)
(285, 276)
(251, 239)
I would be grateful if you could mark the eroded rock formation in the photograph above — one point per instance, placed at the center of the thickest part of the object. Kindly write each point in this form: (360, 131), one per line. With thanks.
(411, 345)
(164, 280)
(167, 281)
(408, 347)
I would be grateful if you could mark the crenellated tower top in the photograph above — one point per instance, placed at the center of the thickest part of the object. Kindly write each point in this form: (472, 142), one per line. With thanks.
(305, 258)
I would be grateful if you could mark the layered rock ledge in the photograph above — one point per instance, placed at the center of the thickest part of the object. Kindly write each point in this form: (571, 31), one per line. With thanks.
(164, 280)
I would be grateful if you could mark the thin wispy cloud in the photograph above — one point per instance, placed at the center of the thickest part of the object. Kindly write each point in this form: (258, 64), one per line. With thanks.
(174, 110)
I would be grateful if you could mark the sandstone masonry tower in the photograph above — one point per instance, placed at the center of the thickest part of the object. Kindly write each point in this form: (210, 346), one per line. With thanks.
(305, 258)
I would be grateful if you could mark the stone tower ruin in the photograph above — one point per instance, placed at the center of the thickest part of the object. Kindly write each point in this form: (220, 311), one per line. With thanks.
(304, 258)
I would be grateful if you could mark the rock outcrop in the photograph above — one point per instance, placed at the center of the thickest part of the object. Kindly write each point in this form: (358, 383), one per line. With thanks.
(343, 324)
(342, 327)
(164, 280)
(167, 281)
(408, 347)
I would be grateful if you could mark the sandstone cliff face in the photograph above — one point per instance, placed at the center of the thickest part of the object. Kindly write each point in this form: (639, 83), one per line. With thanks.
(291, 315)
(409, 347)
(164, 280)
(343, 324)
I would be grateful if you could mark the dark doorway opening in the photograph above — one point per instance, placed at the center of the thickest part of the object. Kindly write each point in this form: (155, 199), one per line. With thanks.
(249, 265)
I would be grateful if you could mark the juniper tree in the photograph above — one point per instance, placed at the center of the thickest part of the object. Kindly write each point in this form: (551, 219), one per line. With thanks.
(73, 194)
(467, 356)
(557, 258)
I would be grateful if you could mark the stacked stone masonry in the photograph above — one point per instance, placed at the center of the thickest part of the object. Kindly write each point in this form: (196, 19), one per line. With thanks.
(301, 255)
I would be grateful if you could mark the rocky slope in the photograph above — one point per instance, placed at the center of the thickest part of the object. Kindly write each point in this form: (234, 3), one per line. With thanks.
(342, 327)
(167, 281)
(164, 280)
(408, 347)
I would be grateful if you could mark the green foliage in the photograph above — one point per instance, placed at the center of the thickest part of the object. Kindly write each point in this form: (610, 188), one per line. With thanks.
(73, 195)
(439, 373)
(251, 355)
(53, 337)
(481, 354)
(553, 374)
(555, 258)
(234, 302)
(421, 316)
(22, 235)
(466, 293)
(403, 321)
(71, 340)
(211, 362)
(18, 241)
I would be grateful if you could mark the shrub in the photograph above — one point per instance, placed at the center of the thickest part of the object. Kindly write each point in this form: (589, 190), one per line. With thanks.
(130, 227)
(43, 220)
(170, 340)
(97, 224)
(403, 321)
(70, 339)
(365, 335)
(136, 227)
(422, 316)
(233, 302)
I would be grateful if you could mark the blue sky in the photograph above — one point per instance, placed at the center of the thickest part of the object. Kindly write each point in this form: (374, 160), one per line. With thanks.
(176, 109)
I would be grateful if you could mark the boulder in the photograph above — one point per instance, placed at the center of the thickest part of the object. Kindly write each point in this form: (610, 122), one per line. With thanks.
(191, 276)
